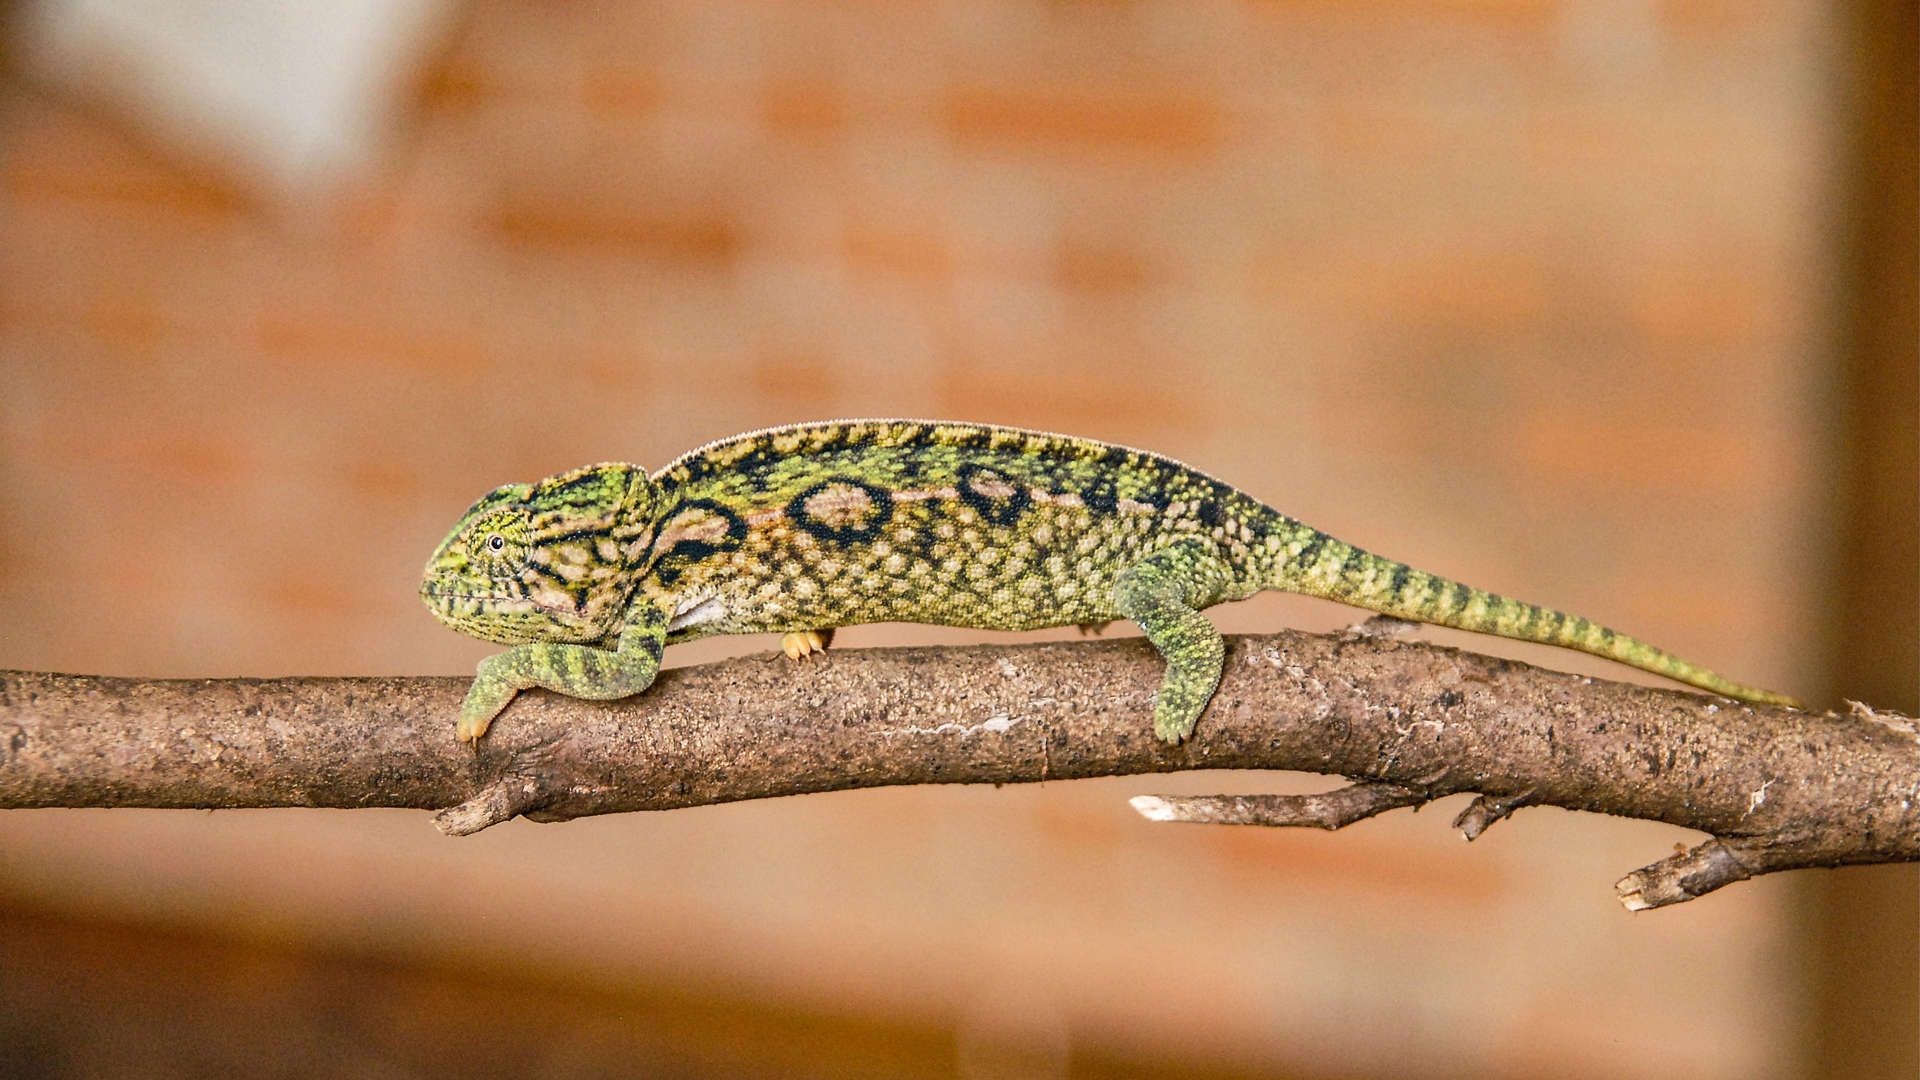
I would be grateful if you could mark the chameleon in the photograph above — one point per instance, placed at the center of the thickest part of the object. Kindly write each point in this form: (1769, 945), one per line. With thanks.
(588, 575)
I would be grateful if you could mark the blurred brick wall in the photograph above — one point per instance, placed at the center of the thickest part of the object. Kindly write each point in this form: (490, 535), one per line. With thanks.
(1529, 293)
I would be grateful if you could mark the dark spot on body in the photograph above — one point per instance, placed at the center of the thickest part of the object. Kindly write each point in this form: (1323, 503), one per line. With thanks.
(1449, 698)
(1100, 496)
(850, 527)
(997, 497)
(909, 472)
(1310, 551)
(856, 438)
(1104, 495)
(1259, 524)
(1352, 561)
(685, 552)
(1211, 507)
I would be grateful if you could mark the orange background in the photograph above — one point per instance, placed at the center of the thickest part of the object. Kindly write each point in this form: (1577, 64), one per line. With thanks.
(1552, 298)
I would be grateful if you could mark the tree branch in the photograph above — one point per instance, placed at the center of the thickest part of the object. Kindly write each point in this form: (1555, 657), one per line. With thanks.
(1775, 788)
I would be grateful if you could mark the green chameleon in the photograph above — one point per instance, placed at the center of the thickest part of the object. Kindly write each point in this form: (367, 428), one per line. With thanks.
(590, 574)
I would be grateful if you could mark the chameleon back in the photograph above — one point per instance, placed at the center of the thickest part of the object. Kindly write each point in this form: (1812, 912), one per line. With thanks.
(825, 525)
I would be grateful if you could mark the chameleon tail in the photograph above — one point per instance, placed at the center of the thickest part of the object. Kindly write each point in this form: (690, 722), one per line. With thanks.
(1330, 568)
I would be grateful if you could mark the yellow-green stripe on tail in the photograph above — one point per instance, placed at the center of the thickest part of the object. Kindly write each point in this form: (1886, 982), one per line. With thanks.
(1330, 568)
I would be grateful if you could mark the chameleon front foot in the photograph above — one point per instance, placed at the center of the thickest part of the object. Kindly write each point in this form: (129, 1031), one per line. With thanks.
(493, 688)
(798, 644)
(580, 671)
(475, 719)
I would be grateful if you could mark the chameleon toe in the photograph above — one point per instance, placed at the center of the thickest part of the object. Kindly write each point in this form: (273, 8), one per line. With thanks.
(798, 644)
(470, 729)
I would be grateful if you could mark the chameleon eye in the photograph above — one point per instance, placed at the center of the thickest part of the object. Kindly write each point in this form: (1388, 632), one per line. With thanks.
(496, 542)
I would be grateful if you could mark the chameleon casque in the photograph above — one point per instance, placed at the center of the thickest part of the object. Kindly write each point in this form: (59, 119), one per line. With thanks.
(590, 574)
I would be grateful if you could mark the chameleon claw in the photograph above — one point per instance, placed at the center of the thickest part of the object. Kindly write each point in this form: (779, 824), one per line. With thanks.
(1172, 732)
(798, 644)
(471, 728)
(1092, 629)
(483, 702)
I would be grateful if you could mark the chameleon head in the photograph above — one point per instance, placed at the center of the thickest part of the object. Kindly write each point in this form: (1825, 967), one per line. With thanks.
(545, 561)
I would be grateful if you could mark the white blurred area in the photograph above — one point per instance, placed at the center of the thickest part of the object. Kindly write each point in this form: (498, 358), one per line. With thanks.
(286, 97)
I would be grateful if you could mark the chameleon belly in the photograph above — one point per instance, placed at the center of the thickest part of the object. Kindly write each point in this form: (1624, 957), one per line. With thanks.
(591, 573)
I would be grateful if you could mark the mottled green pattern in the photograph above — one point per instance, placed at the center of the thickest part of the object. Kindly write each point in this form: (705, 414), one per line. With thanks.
(589, 574)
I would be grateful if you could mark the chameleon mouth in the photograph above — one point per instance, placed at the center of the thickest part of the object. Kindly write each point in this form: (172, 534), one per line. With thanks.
(494, 603)
(443, 594)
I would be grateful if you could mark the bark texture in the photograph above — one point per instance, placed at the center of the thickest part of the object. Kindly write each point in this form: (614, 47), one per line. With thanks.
(1776, 788)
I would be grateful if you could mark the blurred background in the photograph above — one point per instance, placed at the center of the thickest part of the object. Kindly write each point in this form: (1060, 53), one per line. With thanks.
(1605, 305)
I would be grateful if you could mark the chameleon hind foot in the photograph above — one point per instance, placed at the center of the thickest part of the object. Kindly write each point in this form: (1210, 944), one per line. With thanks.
(1163, 594)
(798, 644)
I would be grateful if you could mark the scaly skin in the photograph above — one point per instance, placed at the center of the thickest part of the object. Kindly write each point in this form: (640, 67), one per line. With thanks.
(589, 575)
